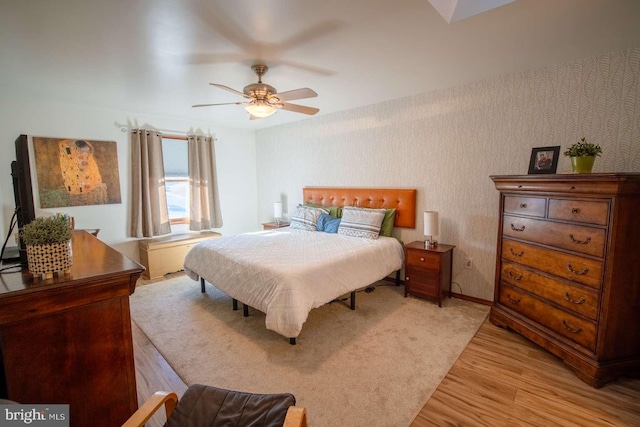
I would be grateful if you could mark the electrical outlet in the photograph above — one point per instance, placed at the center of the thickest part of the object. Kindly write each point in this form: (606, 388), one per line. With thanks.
(468, 263)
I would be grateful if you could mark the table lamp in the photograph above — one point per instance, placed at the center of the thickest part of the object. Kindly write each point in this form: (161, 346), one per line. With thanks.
(430, 228)
(277, 212)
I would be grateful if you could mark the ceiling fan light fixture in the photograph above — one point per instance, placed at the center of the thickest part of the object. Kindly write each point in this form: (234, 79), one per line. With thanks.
(260, 109)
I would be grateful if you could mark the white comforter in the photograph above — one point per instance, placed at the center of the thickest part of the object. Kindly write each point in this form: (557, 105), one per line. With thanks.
(287, 272)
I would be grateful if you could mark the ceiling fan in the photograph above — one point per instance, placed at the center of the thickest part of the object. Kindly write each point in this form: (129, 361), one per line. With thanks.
(264, 100)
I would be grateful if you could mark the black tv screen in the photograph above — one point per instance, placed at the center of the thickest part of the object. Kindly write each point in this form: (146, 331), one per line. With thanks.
(22, 190)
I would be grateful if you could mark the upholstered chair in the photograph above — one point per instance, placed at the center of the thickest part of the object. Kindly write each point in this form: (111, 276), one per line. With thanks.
(215, 407)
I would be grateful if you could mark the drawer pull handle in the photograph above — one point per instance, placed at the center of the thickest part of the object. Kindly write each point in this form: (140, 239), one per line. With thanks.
(512, 300)
(580, 273)
(568, 298)
(513, 227)
(569, 328)
(514, 277)
(523, 206)
(422, 259)
(516, 254)
(580, 242)
(575, 211)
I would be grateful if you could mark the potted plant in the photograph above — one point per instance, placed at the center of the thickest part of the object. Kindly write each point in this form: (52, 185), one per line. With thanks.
(583, 154)
(48, 244)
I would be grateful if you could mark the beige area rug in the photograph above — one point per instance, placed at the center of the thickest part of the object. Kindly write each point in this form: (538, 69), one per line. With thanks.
(375, 366)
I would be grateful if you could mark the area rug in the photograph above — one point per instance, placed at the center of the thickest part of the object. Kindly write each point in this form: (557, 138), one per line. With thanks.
(375, 366)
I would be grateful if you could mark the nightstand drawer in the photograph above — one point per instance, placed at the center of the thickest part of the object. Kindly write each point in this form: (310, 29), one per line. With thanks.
(422, 283)
(423, 259)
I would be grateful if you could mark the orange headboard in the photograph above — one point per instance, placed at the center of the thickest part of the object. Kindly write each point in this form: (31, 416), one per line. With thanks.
(404, 200)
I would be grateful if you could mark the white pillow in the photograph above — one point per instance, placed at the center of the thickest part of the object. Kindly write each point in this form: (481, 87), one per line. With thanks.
(306, 217)
(361, 222)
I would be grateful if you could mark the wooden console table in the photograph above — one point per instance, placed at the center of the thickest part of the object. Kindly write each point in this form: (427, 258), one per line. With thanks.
(67, 340)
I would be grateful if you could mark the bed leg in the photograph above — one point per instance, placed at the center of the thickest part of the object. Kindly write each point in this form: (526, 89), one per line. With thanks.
(292, 341)
(201, 285)
(353, 300)
(245, 310)
(397, 277)
(235, 304)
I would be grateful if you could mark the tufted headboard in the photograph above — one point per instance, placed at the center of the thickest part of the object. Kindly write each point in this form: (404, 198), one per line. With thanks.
(404, 200)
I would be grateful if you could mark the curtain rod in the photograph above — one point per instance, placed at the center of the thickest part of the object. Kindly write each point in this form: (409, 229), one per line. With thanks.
(124, 128)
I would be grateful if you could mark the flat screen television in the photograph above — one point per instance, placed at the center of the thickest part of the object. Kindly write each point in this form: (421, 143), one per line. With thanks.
(22, 190)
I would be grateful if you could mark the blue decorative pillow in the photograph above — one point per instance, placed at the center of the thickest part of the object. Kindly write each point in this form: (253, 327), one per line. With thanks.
(328, 223)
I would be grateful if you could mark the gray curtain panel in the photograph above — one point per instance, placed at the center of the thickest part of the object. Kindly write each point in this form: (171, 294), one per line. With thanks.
(205, 202)
(149, 212)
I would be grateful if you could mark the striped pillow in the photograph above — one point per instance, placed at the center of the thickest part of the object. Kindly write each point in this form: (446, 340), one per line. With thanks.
(306, 217)
(361, 222)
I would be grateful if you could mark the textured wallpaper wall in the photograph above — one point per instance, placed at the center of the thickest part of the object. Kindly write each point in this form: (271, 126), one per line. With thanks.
(447, 143)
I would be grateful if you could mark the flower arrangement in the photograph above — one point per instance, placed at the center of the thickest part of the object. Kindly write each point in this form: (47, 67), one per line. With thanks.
(583, 148)
(46, 230)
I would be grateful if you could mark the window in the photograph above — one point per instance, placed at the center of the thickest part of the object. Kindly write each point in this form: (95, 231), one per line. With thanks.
(176, 173)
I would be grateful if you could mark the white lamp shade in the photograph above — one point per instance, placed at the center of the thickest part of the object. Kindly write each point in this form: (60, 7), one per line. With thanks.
(430, 223)
(277, 209)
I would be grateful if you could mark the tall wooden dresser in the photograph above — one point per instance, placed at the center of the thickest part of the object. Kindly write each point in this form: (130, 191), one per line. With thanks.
(568, 269)
(67, 340)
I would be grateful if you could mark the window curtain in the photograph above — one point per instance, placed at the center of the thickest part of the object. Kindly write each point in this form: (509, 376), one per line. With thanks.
(203, 183)
(149, 212)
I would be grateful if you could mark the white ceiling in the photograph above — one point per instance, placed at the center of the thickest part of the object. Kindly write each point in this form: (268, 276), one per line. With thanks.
(158, 56)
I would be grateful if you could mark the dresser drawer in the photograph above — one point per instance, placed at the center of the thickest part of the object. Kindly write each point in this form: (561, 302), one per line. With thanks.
(533, 206)
(577, 329)
(591, 212)
(423, 259)
(571, 267)
(578, 238)
(580, 300)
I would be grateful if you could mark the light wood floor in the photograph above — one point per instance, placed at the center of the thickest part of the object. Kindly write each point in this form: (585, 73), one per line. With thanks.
(501, 379)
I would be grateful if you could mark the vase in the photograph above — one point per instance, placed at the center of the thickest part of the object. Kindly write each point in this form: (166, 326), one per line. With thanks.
(46, 259)
(582, 164)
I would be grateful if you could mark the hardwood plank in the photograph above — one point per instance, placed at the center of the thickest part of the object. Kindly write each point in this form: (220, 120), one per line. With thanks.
(474, 392)
(153, 373)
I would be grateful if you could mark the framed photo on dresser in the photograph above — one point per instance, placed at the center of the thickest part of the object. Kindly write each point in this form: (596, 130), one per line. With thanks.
(544, 160)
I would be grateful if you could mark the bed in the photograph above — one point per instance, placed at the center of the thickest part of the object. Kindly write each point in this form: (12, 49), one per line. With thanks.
(287, 272)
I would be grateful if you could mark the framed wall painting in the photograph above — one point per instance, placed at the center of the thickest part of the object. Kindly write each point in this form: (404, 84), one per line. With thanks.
(544, 160)
(76, 172)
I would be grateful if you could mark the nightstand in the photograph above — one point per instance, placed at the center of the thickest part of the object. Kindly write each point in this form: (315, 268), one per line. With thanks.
(428, 271)
(272, 225)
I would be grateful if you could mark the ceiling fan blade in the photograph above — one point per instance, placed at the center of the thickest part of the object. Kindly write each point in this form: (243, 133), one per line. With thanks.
(229, 89)
(299, 108)
(291, 95)
(226, 103)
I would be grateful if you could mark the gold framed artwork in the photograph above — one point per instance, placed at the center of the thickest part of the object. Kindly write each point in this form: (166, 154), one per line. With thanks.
(76, 172)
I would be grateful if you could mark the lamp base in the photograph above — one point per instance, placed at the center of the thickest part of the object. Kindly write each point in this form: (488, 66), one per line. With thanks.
(428, 244)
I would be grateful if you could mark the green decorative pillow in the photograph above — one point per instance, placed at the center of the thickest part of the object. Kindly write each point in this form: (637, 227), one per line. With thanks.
(334, 211)
(387, 223)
